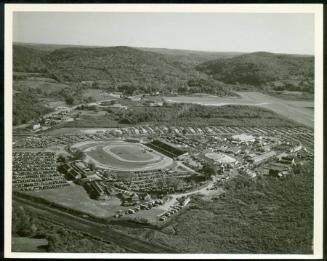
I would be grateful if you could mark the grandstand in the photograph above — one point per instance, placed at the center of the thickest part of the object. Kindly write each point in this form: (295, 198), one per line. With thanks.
(165, 148)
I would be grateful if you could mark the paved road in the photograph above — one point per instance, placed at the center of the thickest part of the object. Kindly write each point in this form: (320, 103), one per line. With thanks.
(98, 230)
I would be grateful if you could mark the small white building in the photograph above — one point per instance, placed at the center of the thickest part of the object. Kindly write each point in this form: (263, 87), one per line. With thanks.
(243, 138)
(296, 149)
(36, 126)
(119, 106)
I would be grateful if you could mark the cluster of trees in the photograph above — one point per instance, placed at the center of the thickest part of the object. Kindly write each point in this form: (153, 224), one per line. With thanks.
(23, 224)
(209, 170)
(142, 114)
(26, 106)
(79, 154)
(26, 223)
(204, 85)
(261, 68)
(179, 114)
(301, 86)
(262, 215)
(27, 59)
(74, 94)
(186, 115)
(172, 182)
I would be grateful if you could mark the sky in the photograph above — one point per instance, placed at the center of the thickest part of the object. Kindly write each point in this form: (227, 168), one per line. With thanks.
(221, 32)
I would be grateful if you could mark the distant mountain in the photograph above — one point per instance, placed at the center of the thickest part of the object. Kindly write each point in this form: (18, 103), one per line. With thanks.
(193, 57)
(260, 68)
(48, 47)
(166, 70)
(189, 56)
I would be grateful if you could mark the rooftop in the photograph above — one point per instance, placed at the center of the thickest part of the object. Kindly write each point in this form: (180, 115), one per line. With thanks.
(220, 157)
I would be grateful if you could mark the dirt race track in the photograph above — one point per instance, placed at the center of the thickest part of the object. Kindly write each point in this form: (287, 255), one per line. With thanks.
(123, 156)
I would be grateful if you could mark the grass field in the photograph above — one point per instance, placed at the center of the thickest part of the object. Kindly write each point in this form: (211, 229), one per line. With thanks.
(47, 85)
(76, 198)
(131, 153)
(26, 244)
(291, 109)
(98, 95)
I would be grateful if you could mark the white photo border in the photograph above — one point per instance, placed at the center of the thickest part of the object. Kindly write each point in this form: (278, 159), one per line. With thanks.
(316, 9)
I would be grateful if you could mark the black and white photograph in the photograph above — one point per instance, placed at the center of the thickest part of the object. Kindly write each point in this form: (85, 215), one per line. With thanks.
(180, 131)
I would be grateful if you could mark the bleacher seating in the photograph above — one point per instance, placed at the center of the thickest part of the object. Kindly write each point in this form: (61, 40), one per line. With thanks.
(165, 148)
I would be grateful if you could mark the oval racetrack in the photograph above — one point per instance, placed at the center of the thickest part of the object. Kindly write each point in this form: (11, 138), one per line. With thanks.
(123, 156)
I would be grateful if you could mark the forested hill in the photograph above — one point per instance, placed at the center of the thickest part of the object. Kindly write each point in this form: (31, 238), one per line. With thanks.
(263, 68)
(192, 57)
(27, 59)
(116, 67)
(165, 70)
(123, 64)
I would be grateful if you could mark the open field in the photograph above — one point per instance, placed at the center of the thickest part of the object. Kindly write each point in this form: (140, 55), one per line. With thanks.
(76, 198)
(65, 131)
(92, 113)
(130, 153)
(26, 244)
(95, 229)
(99, 95)
(47, 85)
(292, 95)
(294, 110)
(123, 156)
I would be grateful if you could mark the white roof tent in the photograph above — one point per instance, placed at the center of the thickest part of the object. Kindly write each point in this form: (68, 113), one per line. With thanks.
(220, 157)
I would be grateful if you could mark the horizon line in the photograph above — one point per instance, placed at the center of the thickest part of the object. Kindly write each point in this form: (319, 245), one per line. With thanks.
(204, 51)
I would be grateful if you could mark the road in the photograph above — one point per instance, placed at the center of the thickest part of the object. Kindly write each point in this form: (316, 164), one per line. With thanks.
(98, 230)
(201, 190)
